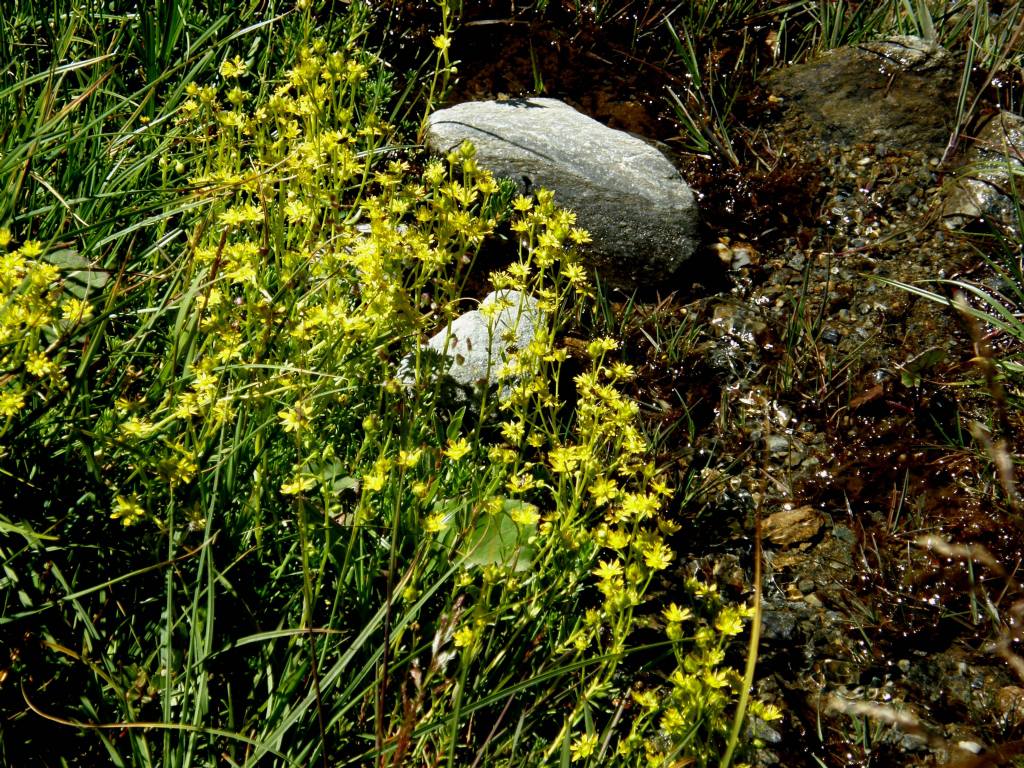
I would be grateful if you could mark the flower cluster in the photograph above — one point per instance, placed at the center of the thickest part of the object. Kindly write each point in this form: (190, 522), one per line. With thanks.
(263, 391)
(38, 318)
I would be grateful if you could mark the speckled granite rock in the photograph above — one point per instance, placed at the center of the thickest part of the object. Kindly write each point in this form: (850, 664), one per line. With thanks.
(471, 353)
(994, 167)
(640, 212)
(900, 91)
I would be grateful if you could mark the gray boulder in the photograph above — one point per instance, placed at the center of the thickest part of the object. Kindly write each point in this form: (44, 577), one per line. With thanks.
(640, 213)
(993, 172)
(900, 91)
(470, 355)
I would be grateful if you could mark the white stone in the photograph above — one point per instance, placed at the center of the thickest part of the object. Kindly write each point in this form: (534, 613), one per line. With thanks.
(476, 346)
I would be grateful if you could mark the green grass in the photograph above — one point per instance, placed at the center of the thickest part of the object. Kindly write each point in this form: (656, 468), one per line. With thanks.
(229, 531)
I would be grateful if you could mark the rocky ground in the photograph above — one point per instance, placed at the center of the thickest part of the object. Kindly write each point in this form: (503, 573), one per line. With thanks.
(796, 391)
(840, 419)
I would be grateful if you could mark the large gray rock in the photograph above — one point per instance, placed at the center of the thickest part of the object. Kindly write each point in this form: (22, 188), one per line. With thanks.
(991, 183)
(641, 214)
(900, 92)
(471, 353)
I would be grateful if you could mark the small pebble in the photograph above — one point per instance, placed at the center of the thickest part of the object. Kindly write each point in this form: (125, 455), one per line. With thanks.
(813, 600)
(830, 336)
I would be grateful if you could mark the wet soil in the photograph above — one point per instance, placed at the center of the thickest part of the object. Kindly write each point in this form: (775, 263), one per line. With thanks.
(807, 398)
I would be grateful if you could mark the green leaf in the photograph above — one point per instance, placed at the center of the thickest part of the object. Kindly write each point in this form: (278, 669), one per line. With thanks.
(500, 540)
(333, 475)
(913, 370)
(80, 275)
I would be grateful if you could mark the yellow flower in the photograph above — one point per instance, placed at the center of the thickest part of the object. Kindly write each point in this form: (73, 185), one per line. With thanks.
(729, 622)
(522, 203)
(375, 480)
(660, 487)
(464, 637)
(673, 721)
(525, 514)
(296, 211)
(43, 274)
(179, 469)
(435, 523)
(521, 483)
(583, 747)
(676, 614)
(298, 484)
(11, 401)
(648, 699)
(434, 173)
(222, 412)
(128, 510)
(700, 588)
(186, 406)
(76, 310)
(766, 712)
(718, 678)
(608, 570)
(236, 96)
(442, 43)
(232, 68)
(598, 347)
(39, 365)
(31, 248)
(513, 431)
(564, 460)
(457, 449)
(139, 428)
(579, 236)
(623, 371)
(501, 455)
(576, 275)
(409, 459)
(294, 419)
(617, 539)
(410, 594)
(657, 556)
(603, 490)
(639, 506)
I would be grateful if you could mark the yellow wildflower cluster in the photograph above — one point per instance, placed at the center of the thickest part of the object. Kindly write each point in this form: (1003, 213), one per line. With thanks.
(311, 252)
(318, 257)
(38, 319)
(606, 505)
